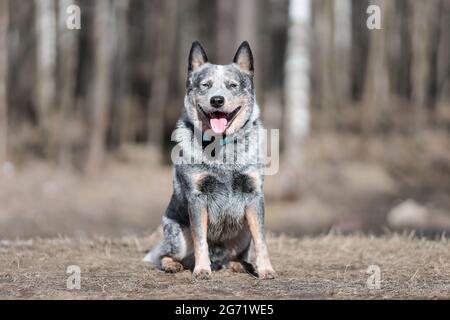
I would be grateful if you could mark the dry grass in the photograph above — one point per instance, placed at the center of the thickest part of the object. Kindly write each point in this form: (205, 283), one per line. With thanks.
(330, 267)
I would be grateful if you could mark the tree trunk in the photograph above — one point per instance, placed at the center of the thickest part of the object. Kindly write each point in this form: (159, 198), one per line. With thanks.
(188, 31)
(68, 53)
(342, 48)
(117, 126)
(423, 14)
(226, 30)
(274, 20)
(102, 86)
(46, 63)
(4, 23)
(164, 45)
(360, 44)
(247, 21)
(376, 85)
(206, 20)
(247, 29)
(325, 59)
(297, 93)
(443, 65)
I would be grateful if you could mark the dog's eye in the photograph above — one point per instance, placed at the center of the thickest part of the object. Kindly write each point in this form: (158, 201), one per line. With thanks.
(233, 85)
(205, 85)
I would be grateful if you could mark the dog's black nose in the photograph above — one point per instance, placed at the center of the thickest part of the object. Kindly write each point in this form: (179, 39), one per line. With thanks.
(217, 101)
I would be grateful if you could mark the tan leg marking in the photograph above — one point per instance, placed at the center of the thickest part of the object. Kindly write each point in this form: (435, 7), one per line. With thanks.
(202, 269)
(256, 178)
(197, 178)
(262, 262)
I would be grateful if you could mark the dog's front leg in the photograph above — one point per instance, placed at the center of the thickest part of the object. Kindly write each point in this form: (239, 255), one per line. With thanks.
(198, 216)
(255, 221)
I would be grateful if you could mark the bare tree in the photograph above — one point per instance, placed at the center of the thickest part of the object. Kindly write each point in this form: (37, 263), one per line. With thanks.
(297, 92)
(376, 85)
(102, 86)
(342, 47)
(68, 53)
(164, 44)
(4, 23)
(421, 35)
(360, 44)
(117, 127)
(226, 30)
(247, 25)
(324, 58)
(188, 30)
(443, 63)
(139, 48)
(46, 63)
(247, 29)
(272, 44)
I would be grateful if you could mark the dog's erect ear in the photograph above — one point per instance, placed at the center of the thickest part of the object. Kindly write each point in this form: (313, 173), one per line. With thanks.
(197, 56)
(244, 57)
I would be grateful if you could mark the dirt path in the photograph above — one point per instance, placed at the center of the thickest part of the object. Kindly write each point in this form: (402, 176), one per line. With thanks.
(325, 267)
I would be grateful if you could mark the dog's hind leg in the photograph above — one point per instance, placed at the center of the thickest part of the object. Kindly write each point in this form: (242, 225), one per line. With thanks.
(170, 265)
(175, 247)
(236, 266)
(242, 263)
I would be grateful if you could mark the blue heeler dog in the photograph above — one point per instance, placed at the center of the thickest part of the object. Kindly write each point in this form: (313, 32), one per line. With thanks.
(217, 206)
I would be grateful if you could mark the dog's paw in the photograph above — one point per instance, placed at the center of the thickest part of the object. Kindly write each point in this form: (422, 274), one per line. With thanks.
(266, 274)
(236, 266)
(202, 274)
(172, 267)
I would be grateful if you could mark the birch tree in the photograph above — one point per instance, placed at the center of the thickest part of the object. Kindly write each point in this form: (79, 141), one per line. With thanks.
(297, 92)
(46, 63)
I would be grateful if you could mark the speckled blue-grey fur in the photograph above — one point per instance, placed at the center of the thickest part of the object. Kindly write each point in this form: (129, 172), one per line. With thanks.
(225, 189)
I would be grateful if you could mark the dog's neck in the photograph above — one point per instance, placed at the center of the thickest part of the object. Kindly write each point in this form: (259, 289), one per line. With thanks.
(245, 141)
(224, 139)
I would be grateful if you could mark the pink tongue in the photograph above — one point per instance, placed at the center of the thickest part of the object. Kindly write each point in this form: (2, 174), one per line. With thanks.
(218, 124)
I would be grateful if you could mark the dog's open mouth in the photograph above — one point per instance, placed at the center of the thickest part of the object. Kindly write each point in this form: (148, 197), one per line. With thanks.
(219, 121)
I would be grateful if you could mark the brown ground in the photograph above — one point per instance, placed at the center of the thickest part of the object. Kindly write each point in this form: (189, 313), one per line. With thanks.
(330, 267)
(348, 185)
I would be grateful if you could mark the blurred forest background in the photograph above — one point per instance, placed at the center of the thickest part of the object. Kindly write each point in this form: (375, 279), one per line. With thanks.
(86, 115)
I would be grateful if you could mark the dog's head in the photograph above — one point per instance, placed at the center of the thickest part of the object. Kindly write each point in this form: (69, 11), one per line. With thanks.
(220, 97)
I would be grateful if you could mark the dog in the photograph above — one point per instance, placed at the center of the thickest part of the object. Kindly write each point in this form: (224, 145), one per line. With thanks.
(215, 217)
